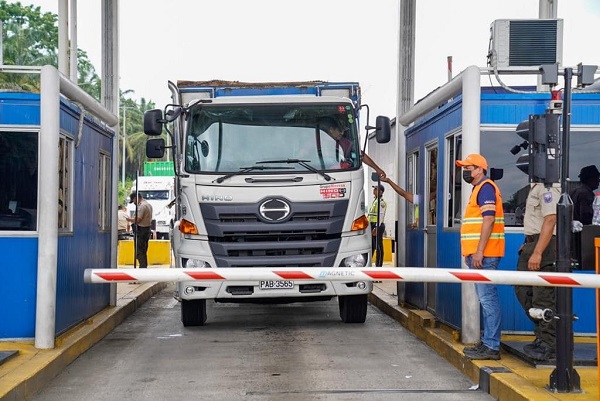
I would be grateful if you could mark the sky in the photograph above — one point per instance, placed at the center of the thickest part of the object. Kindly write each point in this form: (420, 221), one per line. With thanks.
(329, 40)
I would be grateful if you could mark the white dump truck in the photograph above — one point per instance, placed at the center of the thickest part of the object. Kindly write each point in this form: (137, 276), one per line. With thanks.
(267, 175)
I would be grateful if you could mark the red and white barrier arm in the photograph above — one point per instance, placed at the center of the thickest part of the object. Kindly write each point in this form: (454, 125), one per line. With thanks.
(407, 274)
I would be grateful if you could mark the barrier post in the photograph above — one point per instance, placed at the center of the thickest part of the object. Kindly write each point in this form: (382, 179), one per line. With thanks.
(564, 378)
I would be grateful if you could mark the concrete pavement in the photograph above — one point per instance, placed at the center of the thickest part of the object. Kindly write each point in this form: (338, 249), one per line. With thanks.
(26, 371)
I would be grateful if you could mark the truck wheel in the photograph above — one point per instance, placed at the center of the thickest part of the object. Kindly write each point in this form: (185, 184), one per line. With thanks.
(193, 312)
(353, 308)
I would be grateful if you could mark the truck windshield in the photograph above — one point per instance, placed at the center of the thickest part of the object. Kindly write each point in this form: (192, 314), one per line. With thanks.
(226, 138)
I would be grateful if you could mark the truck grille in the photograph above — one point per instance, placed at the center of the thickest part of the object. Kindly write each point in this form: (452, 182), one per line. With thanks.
(309, 237)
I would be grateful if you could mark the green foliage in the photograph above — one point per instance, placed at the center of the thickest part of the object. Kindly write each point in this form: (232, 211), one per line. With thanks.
(124, 191)
(30, 38)
(131, 114)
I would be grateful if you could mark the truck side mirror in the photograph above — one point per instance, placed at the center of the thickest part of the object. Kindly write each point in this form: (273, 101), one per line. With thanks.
(382, 129)
(153, 122)
(155, 148)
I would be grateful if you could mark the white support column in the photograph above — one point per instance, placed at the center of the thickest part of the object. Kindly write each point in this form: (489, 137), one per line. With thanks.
(73, 42)
(110, 100)
(63, 36)
(405, 99)
(48, 209)
(471, 125)
(407, 15)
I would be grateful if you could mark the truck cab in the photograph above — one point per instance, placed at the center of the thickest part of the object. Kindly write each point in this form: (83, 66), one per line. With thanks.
(268, 175)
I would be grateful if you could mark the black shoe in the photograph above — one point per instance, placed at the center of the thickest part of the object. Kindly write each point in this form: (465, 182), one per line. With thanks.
(483, 353)
(542, 353)
(533, 345)
(474, 348)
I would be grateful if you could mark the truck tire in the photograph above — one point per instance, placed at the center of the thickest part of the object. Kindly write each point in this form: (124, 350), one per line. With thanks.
(193, 312)
(353, 308)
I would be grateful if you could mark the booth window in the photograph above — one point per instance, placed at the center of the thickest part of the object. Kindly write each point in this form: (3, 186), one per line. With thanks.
(432, 185)
(412, 180)
(19, 183)
(65, 180)
(454, 205)
(104, 192)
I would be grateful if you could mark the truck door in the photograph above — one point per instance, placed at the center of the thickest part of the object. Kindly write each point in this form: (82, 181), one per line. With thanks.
(430, 216)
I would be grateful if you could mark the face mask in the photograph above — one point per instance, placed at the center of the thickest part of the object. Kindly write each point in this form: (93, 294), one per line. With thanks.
(467, 176)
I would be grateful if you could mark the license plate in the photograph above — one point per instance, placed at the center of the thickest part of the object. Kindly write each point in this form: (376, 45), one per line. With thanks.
(276, 284)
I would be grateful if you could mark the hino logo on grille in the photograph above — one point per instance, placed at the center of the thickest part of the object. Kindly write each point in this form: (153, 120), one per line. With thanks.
(274, 210)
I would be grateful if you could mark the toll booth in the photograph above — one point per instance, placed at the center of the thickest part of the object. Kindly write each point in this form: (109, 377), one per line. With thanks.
(433, 144)
(84, 151)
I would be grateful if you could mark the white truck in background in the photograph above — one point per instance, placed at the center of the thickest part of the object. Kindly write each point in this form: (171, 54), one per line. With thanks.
(158, 191)
(262, 180)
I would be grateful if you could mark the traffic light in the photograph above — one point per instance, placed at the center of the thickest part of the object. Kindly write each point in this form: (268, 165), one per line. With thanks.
(541, 132)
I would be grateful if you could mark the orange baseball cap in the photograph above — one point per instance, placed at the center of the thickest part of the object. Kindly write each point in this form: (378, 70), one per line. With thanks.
(473, 159)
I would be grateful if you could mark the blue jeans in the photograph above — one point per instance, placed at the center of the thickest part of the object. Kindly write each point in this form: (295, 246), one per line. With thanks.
(490, 305)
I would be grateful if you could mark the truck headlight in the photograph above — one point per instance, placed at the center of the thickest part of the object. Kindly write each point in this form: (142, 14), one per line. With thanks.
(196, 263)
(359, 260)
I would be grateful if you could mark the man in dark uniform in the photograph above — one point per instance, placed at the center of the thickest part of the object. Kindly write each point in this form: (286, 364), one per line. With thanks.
(538, 253)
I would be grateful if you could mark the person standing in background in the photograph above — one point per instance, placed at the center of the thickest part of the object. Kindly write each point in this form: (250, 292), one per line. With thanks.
(583, 196)
(482, 245)
(142, 221)
(123, 223)
(538, 253)
(376, 218)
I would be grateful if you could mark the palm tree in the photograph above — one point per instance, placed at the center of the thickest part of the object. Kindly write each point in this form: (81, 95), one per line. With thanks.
(135, 141)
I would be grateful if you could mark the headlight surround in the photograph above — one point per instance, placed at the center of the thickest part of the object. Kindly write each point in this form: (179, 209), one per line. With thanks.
(359, 260)
(196, 263)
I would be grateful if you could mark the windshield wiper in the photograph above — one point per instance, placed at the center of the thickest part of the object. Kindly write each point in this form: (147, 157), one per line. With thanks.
(301, 162)
(247, 169)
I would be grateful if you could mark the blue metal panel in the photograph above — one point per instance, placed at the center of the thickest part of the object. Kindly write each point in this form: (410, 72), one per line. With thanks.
(18, 286)
(583, 308)
(309, 88)
(85, 247)
(19, 108)
(414, 293)
(448, 296)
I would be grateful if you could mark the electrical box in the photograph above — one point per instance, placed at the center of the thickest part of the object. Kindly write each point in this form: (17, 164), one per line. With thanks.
(526, 43)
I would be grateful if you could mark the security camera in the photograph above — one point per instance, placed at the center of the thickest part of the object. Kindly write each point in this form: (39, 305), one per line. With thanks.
(517, 148)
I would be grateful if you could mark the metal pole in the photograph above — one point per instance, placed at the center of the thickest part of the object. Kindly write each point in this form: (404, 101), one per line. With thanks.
(564, 378)
(135, 234)
(73, 41)
(378, 225)
(124, 137)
